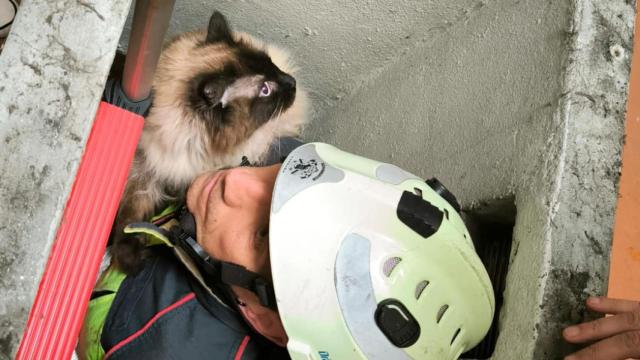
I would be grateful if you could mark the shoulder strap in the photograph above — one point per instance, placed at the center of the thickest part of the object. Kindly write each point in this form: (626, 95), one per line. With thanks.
(155, 234)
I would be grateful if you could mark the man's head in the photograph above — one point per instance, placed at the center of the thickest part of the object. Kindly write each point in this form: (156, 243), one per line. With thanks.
(231, 209)
(366, 260)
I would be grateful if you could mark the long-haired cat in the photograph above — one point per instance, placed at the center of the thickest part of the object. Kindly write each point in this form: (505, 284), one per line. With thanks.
(218, 96)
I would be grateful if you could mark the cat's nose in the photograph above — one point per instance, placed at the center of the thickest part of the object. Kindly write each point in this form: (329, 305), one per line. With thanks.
(287, 81)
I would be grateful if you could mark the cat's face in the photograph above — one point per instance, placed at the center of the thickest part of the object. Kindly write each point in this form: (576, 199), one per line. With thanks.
(249, 84)
(224, 80)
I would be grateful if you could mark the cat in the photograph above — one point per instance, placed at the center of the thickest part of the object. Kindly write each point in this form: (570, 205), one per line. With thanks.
(218, 96)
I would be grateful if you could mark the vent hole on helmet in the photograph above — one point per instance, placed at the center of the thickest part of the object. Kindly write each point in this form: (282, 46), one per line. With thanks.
(420, 288)
(455, 335)
(446, 213)
(441, 312)
(390, 264)
(417, 191)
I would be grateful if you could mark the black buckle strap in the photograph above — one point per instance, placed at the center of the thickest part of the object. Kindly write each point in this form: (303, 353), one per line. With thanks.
(234, 274)
(216, 272)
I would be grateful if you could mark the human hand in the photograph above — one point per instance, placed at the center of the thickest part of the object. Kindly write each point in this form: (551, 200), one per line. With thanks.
(617, 336)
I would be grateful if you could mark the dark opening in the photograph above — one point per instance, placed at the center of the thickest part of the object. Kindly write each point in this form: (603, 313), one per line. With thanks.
(491, 227)
(117, 67)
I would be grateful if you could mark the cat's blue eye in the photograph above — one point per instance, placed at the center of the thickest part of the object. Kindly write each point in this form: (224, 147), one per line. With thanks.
(265, 90)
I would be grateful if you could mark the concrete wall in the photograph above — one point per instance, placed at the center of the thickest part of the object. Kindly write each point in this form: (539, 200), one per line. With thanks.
(338, 44)
(589, 138)
(52, 73)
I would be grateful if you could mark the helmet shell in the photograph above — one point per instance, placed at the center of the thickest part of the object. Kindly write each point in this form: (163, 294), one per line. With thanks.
(352, 280)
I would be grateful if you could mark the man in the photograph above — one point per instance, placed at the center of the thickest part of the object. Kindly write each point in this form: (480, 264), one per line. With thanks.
(366, 261)
(143, 315)
(164, 312)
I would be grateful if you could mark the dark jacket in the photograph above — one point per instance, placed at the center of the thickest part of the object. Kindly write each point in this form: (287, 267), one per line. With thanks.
(165, 313)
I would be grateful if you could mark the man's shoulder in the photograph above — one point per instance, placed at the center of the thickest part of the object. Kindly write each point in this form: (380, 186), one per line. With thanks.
(162, 313)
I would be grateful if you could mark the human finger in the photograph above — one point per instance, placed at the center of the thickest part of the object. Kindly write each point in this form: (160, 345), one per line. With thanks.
(603, 327)
(612, 306)
(619, 347)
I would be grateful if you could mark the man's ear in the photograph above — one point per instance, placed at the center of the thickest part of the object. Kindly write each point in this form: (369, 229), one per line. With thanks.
(265, 322)
(219, 30)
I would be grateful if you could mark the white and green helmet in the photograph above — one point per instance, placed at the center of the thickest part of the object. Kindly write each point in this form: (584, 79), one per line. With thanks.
(370, 262)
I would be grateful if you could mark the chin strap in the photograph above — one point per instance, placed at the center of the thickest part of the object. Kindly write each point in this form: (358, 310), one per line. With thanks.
(216, 272)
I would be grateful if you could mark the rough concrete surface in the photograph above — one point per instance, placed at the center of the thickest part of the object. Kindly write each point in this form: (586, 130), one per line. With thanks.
(582, 207)
(52, 71)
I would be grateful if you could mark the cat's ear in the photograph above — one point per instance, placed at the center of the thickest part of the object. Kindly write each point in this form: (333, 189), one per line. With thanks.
(218, 30)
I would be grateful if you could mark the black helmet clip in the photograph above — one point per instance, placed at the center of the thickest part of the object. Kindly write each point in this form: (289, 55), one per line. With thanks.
(216, 272)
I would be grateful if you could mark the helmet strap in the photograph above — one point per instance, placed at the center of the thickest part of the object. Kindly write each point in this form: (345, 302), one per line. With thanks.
(217, 272)
(234, 274)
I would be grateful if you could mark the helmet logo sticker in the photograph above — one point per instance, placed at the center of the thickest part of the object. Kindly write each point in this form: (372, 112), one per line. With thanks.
(302, 169)
(306, 169)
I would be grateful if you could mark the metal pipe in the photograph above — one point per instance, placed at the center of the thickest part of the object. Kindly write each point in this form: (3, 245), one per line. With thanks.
(150, 22)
